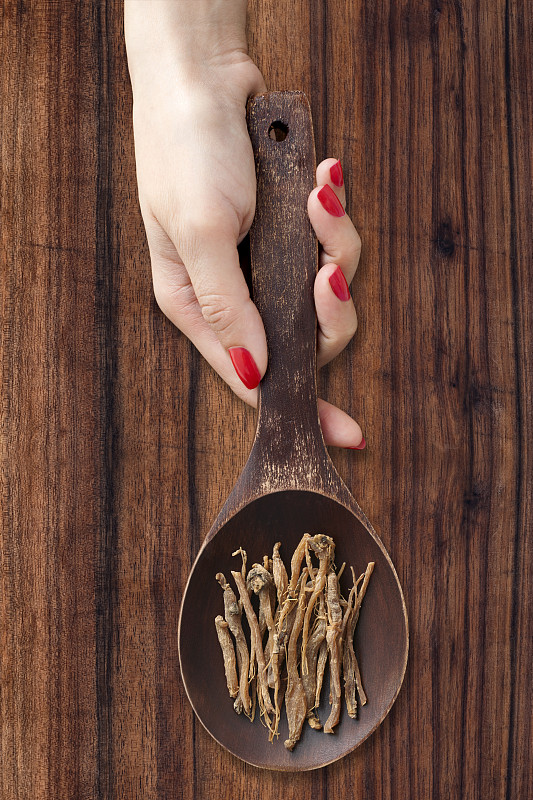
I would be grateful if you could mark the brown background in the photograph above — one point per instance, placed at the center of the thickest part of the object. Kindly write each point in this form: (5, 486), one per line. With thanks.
(119, 445)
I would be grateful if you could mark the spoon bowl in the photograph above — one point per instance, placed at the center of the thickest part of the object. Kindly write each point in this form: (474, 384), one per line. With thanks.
(289, 485)
(380, 638)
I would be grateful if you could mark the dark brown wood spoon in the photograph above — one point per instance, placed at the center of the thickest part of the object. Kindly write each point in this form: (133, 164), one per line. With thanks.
(289, 485)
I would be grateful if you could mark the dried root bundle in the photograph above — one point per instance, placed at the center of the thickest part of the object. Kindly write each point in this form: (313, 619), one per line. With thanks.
(297, 627)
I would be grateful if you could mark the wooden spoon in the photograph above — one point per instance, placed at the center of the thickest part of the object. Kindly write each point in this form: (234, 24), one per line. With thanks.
(289, 485)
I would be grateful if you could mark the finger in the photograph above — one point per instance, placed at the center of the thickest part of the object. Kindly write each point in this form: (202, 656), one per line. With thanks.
(176, 298)
(220, 288)
(339, 429)
(335, 310)
(330, 171)
(334, 230)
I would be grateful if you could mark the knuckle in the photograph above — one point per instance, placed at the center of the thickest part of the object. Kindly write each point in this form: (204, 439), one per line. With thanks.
(191, 226)
(191, 231)
(198, 226)
(202, 219)
(218, 312)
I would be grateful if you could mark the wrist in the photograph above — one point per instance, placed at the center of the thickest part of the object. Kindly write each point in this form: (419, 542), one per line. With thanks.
(189, 48)
(191, 34)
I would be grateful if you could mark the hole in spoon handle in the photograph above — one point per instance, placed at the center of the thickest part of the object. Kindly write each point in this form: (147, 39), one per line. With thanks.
(284, 261)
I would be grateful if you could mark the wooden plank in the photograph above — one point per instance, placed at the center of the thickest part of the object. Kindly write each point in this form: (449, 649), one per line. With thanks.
(51, 390)
(146, 535)
(119, 445)
(518, 66)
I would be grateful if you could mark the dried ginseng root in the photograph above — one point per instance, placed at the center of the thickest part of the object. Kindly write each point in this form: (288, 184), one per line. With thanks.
(296, 564)
(281, 641)
(232, 614)
(347, 651)
(281, 579)
(320, 669)
(304, 621)
(263, 697)
(295, 699)
(324, 548)
(228, 654)
(352, 675)
(272, 651)
(286, 612)
(333, 633)
(309, 678)
(261, 583)
(242, 553)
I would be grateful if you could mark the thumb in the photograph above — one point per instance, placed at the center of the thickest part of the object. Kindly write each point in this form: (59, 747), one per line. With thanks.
(226, 306)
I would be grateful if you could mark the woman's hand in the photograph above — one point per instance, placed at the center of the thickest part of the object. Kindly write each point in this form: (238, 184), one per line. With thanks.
(197, 189)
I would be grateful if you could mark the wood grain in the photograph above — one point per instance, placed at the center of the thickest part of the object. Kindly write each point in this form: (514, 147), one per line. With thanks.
(119, 445)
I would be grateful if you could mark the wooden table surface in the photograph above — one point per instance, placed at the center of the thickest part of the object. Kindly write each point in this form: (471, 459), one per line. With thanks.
(119, 444)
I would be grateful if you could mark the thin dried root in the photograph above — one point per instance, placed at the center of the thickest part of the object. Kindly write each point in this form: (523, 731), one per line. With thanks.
(265, 703)
(295, 700)
(296, 563)
(352, 674)
(242, 553)
(228, 654)
(281, 579)
(323, 547)
(320, 669)
(309, 678)
(232, 614)
(260, 581)
(276, 684)
(333, 633)
(253, 696)
(358, 682)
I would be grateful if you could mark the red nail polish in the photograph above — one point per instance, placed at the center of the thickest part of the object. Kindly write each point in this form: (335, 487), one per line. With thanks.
(337, 281)
(336, 175)
(360, 446)
(245, 366)
(330, 201)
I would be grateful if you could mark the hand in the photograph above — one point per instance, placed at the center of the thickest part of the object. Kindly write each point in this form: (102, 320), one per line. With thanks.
(197, 189)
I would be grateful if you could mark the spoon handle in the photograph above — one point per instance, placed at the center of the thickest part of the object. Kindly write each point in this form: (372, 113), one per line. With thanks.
(284, 261)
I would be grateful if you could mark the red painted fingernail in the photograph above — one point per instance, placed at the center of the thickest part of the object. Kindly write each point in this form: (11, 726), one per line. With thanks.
(245, 366)
(360, 446)
(336, 175)
(337, 281)
(330, 201)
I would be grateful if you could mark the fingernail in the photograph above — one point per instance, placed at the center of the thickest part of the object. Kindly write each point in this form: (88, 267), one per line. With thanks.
(336, 175)
(245, 366)
(337, 281)
(360, 446)
(330, 201)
